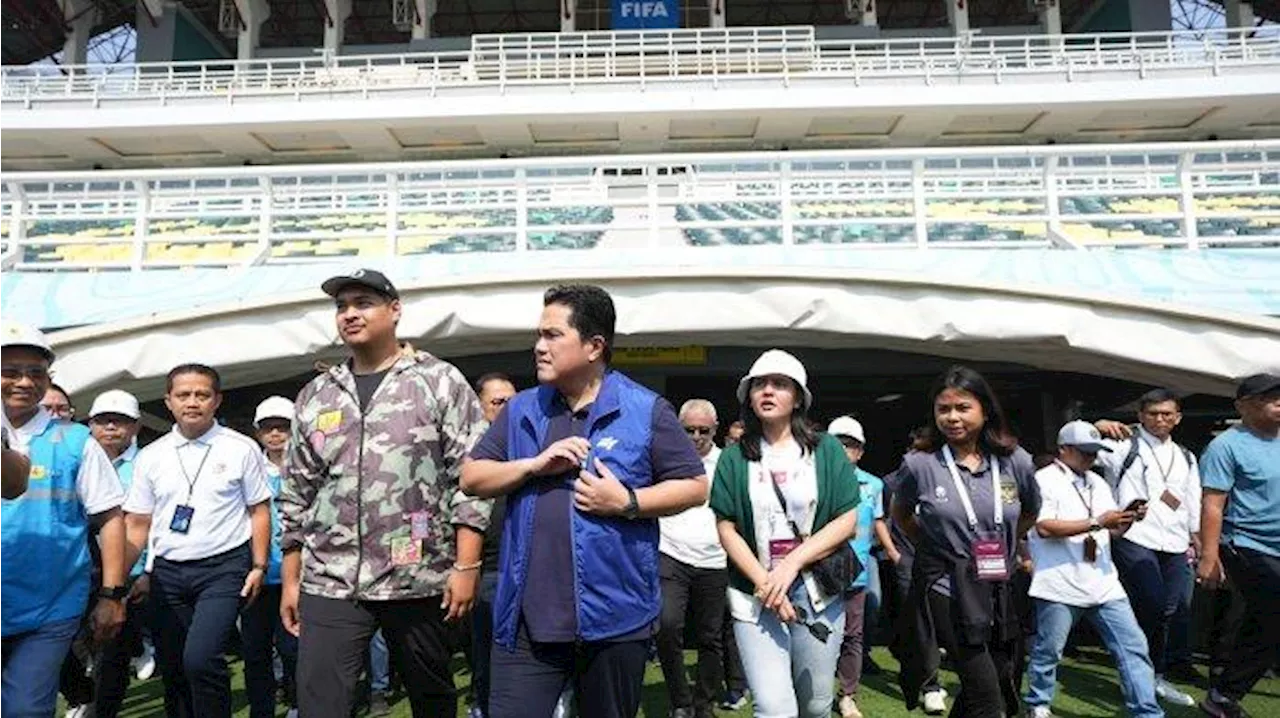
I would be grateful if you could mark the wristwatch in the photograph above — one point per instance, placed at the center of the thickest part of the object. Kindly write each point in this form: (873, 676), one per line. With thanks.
(259, 567)
(633, 507)
(113, 593)
(1094, 525)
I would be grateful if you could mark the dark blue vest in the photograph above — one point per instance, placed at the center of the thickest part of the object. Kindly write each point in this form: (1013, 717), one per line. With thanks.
(615, 559)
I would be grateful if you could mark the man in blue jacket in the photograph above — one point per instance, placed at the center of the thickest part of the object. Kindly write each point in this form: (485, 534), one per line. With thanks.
(589, 460)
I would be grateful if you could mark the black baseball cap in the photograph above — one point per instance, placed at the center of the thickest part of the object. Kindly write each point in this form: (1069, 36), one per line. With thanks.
(1257, 384)
(370, 278)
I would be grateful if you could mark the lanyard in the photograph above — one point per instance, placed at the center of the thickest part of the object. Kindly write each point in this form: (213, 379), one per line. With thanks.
(1088, 505)
(191, 483)
(964, 492)
(1164, 471)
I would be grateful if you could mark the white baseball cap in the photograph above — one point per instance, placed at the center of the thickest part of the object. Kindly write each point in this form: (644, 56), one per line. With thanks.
(116, 402)
(274, 407)
(1081, 435)
(847, 426)
(777, 361)
(14, 334)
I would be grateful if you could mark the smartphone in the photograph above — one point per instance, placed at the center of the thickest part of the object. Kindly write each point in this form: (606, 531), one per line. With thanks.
(1135, 505)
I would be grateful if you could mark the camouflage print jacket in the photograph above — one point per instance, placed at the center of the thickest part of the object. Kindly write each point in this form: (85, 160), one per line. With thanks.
(372, 498)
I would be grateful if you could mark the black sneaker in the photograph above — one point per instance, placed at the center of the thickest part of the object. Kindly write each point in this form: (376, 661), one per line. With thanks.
(1220, 706)
(1186, 673)
(870, 667)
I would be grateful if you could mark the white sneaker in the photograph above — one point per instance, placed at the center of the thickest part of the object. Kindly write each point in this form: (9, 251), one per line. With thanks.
(1039, 712)
(293, 713)
(144, 666)
(935, 702)
(1169, 693)
(849, 708)
(79, 711)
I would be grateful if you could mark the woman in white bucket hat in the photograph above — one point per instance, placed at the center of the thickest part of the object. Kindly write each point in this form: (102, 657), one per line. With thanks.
(784, 624)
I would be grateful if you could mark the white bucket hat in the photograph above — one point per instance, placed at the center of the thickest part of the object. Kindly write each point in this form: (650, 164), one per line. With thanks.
(776, 361)
(15, 334)
(116, 401)
(847, 426)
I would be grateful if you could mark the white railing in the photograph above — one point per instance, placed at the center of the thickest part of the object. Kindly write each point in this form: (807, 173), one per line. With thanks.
(507, 62)
(1186, 195)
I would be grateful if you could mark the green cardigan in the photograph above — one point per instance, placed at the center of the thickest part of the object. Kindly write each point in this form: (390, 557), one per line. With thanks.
(731, 499)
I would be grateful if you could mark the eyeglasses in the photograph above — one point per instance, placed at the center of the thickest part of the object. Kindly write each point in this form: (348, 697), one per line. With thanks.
(699, 430)
(15, 372)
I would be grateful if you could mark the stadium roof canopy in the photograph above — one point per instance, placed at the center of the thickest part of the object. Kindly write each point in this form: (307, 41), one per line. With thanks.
(35, 29)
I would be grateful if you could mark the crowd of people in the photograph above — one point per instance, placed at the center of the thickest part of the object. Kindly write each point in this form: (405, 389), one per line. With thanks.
(396, 512)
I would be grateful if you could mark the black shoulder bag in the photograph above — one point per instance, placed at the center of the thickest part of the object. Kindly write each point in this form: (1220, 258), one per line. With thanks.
(836, 572)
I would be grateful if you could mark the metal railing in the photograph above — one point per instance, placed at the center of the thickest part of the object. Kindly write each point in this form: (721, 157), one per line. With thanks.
(504, 63)
(1185, 195)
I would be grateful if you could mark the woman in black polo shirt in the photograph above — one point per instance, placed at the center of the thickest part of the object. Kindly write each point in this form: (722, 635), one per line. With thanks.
(966, 501)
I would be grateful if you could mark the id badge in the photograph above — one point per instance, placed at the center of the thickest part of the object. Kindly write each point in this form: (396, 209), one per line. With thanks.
(1090, 549)
(405, 551)
(778, 550)
(419, 525)
(182, 516)
(1173, 502)
(990, 559)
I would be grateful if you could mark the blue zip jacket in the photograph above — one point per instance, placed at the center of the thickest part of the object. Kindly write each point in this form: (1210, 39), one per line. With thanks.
(46, 536)
(615, 559)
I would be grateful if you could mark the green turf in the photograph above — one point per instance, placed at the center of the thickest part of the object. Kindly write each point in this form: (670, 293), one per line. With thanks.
(1087, 689)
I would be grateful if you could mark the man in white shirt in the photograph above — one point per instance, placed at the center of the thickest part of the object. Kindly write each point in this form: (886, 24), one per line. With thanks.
(692, 568)
(45, 532)
(1074, 575)
(1145, 464)
(200, 495)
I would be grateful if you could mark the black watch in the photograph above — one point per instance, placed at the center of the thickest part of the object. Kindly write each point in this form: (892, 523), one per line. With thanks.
(113, 593)
(632, 509)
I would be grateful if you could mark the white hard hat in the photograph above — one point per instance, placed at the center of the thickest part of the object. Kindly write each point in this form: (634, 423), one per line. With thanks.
(14, 334)
(776, 361)
(847, 426)
(274, 407)
(116, 402)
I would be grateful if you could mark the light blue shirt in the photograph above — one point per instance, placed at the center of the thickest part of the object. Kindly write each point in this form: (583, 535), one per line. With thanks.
(275, 557)
(870, 508)
(1246, 467)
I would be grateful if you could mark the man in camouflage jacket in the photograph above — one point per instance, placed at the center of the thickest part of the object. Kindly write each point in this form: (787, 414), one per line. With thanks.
(376, 533)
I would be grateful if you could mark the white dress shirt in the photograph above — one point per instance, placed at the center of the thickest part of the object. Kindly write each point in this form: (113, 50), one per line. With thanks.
(1159, 465)
(219, 475)
(690, 536)
(1060, 572)
(97, 485)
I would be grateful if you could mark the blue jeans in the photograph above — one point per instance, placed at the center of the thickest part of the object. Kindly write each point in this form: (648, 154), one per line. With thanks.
(1123, 638)
(1157, 583)
(772, 650)
(379, 664)
(31, 667)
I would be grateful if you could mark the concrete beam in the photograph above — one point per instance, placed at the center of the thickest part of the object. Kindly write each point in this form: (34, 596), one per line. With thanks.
(252, 13)
(1240, 14)
(719, 14)
(1050, 15)
(81, 15)
(422, 23)
(958, 16)
(335, 28)
(569, 15)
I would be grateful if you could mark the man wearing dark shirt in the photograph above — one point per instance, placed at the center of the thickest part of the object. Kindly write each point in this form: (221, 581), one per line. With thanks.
(589, 460)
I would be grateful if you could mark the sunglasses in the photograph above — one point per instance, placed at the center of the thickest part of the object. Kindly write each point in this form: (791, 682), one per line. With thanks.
(15, 372)
(699, 430)
(820, 631)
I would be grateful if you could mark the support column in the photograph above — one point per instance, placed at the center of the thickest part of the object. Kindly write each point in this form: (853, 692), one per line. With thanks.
(1050, 15)
(568, 15)
(252, 14)
(335, 27)
(719, 14)
(80, 16)
(1240, 14)
(422, 23)
(958, 16)
(862, 12)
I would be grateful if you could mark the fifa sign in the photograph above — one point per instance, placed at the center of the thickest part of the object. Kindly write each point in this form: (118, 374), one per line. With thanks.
(646, 14)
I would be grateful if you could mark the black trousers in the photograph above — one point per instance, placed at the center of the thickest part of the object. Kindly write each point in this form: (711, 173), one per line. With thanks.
(1257, 575)
(261, 630)
(112, 671)
(482, 640)
(607, 677)
(335, 637)
(194, 605)
(698, 593)
(901, 591)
